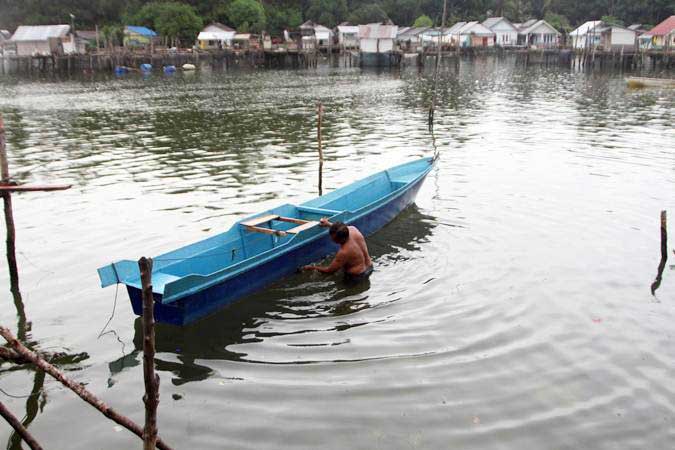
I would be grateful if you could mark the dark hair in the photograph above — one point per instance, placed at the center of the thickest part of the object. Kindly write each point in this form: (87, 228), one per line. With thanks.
(339, 232)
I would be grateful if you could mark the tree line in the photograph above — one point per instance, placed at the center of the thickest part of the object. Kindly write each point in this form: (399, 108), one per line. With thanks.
(183, 20)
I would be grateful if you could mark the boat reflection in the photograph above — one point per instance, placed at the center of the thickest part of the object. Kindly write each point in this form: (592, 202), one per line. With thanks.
(304, 296)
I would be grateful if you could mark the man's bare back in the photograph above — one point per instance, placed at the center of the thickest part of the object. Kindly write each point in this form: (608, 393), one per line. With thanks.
(352, 256)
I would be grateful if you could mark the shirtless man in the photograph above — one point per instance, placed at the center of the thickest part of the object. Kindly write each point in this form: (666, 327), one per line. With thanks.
(353, 255)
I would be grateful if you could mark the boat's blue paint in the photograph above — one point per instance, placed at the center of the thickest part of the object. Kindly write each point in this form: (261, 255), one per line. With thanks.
(200, 278)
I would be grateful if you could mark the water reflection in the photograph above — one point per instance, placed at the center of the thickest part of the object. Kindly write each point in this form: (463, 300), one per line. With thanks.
(325, 300)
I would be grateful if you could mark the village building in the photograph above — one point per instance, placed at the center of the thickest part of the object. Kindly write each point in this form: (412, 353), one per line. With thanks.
(597, 34)
(324, 37)
(663, 35)
(89, 37)
(46, 40)
(246, 41)
(506, 34)
(410, 38)
(5, 36)
(469, 34)
(537, 33)
(136, 37)
(348, 36)
(614, 37)
(215, 36)
(377, 45)
(586, 35)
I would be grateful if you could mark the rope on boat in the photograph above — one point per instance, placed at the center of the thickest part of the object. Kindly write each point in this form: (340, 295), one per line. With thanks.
(432, 107)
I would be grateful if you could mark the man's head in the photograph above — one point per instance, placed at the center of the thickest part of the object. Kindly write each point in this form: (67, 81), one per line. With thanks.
(339, 233)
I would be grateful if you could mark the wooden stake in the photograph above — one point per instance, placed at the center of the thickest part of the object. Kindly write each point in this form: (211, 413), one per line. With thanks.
(9, 216)
(78, 388)
(20, 429)
(664, 254)
(318, 135)
(151, 397)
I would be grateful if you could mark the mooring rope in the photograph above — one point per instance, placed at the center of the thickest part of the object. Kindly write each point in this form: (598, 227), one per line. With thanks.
(432, 107)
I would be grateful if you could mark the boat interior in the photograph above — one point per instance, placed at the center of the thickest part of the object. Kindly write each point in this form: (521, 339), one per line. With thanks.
(254, 237)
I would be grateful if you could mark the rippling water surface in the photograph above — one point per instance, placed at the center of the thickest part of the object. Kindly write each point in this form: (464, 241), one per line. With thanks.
(510, 308)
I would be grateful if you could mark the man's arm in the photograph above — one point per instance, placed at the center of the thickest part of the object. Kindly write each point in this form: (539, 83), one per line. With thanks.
(337, 264)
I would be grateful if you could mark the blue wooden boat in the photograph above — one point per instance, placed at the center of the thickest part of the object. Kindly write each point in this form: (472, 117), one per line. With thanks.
(196, 280)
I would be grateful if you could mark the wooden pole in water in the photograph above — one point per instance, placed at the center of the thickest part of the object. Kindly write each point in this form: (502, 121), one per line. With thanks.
(9, 216)
(151, 397)
(664, 254)
(20, 429)
(318, 134)
(76, 387)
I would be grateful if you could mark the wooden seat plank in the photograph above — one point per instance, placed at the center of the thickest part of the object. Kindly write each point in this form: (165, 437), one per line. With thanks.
(258, 220)
(303, 227)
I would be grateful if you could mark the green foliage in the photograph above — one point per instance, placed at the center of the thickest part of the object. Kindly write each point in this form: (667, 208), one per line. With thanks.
(370, 13)
(171, 19)
(327, 12)
(423, 21)
(181, 19)
(611, 20)
(280, 18)
(559, 22)
(247, 16)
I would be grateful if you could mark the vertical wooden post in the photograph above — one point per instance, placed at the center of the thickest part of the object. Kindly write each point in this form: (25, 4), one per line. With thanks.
(664, 254)
(9, 216)
(318, 134)
(20, 429)
(151, 397)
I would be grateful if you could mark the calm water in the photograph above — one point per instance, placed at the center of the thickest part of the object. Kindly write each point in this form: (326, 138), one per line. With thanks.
(510, 308)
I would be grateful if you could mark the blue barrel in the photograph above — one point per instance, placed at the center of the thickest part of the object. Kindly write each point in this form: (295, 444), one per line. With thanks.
(169, 69)
(146, 67)
(121, 70)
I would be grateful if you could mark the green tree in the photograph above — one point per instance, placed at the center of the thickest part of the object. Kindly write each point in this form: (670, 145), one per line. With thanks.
(558, 21)
(423, 21)
(171, 19)
(369, 13)
(280, 18)
(247, 15)
(611, 20)
(327, 12)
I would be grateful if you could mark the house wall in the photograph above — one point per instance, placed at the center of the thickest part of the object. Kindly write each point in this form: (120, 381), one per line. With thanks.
(371, 45)
(480, 41)
(348, 39)
(136, 40)
(622, 38)
(27, 48)
(504, 34)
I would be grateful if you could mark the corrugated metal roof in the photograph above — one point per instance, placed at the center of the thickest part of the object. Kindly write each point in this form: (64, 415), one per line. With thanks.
(492, 21)
(348, 29)
(456, 27)
(475, 28)
(414, 31)
(39, 32)
(537, 23)
(143, 31)
(378, 31)
(664, 27)
(586, 27)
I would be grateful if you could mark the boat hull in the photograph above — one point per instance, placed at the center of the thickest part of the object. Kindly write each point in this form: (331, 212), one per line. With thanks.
(196, 306)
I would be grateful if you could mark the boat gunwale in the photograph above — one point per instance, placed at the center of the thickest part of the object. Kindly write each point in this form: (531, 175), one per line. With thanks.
(297, 240)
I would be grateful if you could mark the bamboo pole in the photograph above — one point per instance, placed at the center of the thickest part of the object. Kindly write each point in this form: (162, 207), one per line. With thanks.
(77, 388)
(151, 397)
(9, 216)
(664, 254)
(318, 135)
(18, 426)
